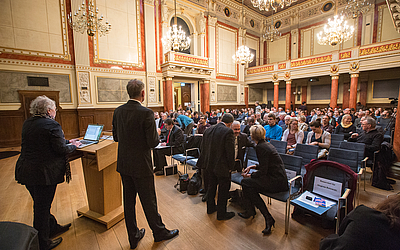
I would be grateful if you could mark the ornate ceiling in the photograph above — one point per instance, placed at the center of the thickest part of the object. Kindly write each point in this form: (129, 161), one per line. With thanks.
(267, 13)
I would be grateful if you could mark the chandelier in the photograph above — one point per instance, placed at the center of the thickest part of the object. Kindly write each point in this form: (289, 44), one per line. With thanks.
(243, 54)
(273, 4)
(271, 32)
(337, 32)
(355, 8)
(86, 20)
(175, 38)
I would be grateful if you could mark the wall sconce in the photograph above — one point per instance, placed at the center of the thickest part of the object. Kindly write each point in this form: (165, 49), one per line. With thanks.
(297, 93)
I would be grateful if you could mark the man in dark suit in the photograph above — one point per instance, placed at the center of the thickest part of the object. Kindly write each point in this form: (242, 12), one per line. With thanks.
(174, 138)
(241, 143)
(135, 131)
(218, 158)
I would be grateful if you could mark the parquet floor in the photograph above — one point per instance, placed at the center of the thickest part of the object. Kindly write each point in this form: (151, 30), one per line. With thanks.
(187, 213)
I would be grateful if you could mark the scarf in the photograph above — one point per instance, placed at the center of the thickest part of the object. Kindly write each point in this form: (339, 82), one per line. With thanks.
(345, 126)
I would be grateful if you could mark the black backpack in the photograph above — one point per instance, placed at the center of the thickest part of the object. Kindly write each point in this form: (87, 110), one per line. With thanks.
(183, 182)
(194, 184)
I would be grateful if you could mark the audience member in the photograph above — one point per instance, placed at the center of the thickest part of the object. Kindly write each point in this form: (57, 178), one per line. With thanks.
(303, 126)
(185, 123)
(258, 107)
(325, 124)
(293, 135)
(286, 124)
(303, 106)
(250, 122)
(174, 139)
(269, 177)
(241, 143)
(345, 127)
(368, 228)
(218, 159)
(369, 136)
(273, 131)
(309, 117)
(318, 137)
(357, 121)
(203, 125)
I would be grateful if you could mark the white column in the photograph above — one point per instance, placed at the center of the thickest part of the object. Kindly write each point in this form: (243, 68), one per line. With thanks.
(211, 42)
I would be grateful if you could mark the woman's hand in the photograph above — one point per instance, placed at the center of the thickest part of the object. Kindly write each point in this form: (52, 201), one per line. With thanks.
(314, 143)
(75, 142)
(246, 175)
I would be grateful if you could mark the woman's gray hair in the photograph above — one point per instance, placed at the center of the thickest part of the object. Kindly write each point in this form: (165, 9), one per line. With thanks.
(41, 104)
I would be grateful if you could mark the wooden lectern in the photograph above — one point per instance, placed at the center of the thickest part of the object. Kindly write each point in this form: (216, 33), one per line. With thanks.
(103, 183)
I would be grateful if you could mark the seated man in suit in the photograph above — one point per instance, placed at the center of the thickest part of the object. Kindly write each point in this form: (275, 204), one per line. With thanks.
(174, 138)
(241, 142)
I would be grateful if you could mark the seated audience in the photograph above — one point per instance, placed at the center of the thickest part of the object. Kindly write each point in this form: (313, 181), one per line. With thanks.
(370, 136)
(273, 131)
(346, 127)
(175, 139)
(319, 137)
(286, 124)
(203, 125)
(269, 177)
(303, 126)
(213, 119)
(293, 135)
(325, 124)
(250, 122)
(357, 121)
(368, 228)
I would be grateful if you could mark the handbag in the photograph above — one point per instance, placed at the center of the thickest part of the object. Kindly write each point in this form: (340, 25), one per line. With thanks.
(183, 181)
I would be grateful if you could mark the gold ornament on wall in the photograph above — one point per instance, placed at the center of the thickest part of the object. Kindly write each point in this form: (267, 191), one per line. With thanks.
(354, 66)
(334, 69)
(287, 75)
(275, 77)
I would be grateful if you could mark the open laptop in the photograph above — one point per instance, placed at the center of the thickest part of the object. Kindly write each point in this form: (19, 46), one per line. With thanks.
(92, 135)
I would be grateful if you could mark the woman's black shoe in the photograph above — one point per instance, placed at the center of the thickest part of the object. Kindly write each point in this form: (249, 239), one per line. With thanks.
(270, 222)
(247, 214)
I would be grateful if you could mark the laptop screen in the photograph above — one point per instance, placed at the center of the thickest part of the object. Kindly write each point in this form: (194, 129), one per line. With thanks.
(93, 132)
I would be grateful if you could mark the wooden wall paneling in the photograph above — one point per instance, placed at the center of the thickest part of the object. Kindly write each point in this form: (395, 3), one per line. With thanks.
(104, 116)
(11, 122)
(85, 117)
(363, 92)
(70, 123)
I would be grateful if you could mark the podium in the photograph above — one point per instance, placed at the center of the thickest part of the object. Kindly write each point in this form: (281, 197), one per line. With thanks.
(103, 183)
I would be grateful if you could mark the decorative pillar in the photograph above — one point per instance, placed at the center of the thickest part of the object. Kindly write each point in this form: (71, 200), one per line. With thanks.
(334, 91)
(246, 96)
(396, 136)
(288, 94)
(168, 94)
(276, 94)
(205, 96)
(353, 90)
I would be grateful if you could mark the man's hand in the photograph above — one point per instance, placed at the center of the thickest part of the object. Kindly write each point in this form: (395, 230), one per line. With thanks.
(354, 135)
(75, 142)
(163, 144)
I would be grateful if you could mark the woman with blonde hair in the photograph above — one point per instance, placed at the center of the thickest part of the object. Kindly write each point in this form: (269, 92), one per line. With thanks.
(346, 127)
(267, 176)
(302, 123)
(293, 135)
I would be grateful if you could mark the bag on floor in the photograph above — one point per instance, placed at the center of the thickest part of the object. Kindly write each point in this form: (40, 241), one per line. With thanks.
(182, 183)
(194, 184)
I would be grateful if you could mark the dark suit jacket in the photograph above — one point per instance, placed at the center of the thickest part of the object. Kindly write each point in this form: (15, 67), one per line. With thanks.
(176, 139)
(218, 150)
(135, 131)
(271, 172)
(243, 143)
(43, 153)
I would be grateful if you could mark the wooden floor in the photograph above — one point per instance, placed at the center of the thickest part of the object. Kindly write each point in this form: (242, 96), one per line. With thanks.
(187, 213)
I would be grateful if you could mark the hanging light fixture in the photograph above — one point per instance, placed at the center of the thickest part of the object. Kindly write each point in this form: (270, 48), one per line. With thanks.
(175, 38)
(355, 8)
(271, 32)
(86, 20)
(243, 54)
(337, 31)
(273, 4)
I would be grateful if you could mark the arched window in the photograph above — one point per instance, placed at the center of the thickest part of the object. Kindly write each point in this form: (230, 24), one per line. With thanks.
(185, 28)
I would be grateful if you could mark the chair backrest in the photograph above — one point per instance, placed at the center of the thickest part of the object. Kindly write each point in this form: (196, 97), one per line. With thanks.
(251, 154)
(359, 147)
(344, 156)
(305, 136)
(292, 162)
(308, 152)
(279, 145)
(336, 139)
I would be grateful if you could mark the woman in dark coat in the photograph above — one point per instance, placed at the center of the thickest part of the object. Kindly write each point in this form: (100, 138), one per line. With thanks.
(366, 228)
(346, 127)
(42, 165)
(269, 177)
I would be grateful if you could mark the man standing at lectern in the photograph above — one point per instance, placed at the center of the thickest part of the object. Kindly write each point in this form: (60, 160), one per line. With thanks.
(135, 131)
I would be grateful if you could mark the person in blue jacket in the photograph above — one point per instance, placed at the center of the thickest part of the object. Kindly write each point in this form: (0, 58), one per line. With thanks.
(272, 130)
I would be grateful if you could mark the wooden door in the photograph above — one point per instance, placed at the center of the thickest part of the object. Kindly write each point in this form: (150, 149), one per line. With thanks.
(186, 95)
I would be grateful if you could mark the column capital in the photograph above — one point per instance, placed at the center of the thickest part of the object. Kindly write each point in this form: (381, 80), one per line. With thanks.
(276, 82)
(205, 81)
(246, 86)
(168, 78)
(354, 75)
(288, 82)
(334, 77)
